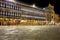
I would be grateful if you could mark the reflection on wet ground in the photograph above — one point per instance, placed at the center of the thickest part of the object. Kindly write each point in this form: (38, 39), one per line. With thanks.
(50, 32)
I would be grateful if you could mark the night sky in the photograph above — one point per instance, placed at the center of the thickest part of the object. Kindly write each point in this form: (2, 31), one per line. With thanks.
(44, 3)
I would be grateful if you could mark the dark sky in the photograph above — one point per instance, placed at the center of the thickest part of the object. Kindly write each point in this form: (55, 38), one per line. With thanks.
(44, 3)
(38, 3)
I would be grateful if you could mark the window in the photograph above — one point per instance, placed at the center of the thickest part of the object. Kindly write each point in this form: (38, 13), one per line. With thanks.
(1, 12)
(19, 14)
(1, 5)
(8, 6)
(5, 5)
(11, 6)
(19, 8)
(14, 7)
(15, 14)
(8, 13)
(52, 16)
(11, 14)
(5, 13)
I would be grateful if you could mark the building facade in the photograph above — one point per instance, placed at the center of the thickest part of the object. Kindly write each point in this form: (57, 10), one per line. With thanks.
(20, 14)
(51, 16)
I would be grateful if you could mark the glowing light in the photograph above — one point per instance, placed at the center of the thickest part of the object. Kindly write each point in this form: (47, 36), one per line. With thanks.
(43, 8)
(11, 0)
(23, 20)
(33, 5)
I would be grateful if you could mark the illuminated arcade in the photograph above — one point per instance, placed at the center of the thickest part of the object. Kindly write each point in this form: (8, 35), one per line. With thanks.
(14, 13)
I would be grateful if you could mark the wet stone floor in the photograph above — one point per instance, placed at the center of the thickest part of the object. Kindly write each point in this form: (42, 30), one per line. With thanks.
(47, 32)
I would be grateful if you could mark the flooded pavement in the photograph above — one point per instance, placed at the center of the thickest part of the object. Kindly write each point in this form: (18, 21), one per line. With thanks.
(49, 32)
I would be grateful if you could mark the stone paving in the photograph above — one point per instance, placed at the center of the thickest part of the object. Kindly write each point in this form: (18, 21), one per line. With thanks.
(47, 32)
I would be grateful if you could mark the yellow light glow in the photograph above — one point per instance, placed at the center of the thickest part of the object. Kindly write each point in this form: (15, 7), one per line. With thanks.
(23, 21)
